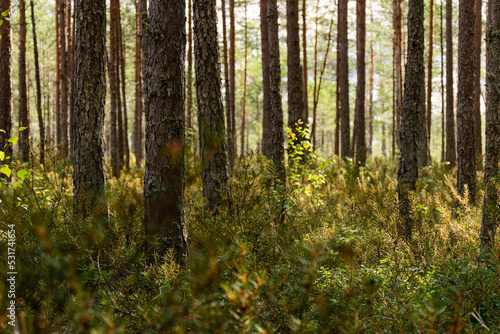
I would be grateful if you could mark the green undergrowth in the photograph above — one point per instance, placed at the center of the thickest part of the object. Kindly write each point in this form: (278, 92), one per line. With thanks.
(333, 264)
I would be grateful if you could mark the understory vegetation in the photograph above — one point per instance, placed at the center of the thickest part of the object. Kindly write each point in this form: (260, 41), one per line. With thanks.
(334, 264)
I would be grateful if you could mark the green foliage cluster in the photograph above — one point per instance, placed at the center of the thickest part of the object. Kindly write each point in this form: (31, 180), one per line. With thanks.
(333, 265)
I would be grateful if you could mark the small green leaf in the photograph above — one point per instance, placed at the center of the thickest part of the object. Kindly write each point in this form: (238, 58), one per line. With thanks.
(22, 128)
(2, 131)
(13, 140)
(5, 13)
(22, 173)
(2, 155)
(6, 170)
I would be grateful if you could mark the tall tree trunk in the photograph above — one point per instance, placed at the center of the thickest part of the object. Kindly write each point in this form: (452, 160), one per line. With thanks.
(277, 148)
(64, 78)
(114, 92)
(23, 94)
(344, 80)
(491, 208)
(38, 87)
(58, 78)
(412, 108)
(295, 80)
(361, 83)
(337, 101)
(304, 61)
(137, 140)
(370, 107)
(266, 91)
(143, 4)
(213, 149)
(315, 87)
(70, 54)
(429, 72)
(398, 77)
(443, 116)
(244, 100)
(164, 178)
(232, 85)
(121, 57)
(189, 79)
(478, 25)
(466, 173)
(89, 175)
(227, 88)
(451, 153)
(5, 79)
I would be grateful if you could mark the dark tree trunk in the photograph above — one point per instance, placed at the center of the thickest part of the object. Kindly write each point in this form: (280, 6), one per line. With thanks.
(213, 148)
(232, 85)
(277, 149)
(491, 207)
(337, 102)
(64, 115)
(5, 80)
(57, 101)
(466, 173)
(38, 87)
(143, 4)
(398, 77)
(244, 99)
(114, 92)
(266, 91)
(189, 79)
(412, 109)
(304, 61)
(89, 175)
(451, 149)
(429, 72)
(478, 25)
(164, 178)
(361, 83)
(23, 94)
(295, 81)
(343, 80)
(443, 116)
(137, 135)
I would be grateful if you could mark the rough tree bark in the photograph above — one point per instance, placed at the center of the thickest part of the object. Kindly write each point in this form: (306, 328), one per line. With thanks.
(466, 172)
(295, 81)
(38, 87)
(443, 116)
(429, 73)
(164, 177)
(89, 175)
(304, 61)
(23, 94)
(343, 80)
(412, 108)
(277, 149)
(478, 25)
(189, 79)
(451, 153)
(244, 99)
(113, 85)
(361, 83)
(213, 149)
(491, 207)
(232, 85)
(266, 91)
(5, 79)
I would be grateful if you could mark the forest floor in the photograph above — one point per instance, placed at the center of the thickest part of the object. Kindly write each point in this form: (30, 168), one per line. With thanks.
(333, 263)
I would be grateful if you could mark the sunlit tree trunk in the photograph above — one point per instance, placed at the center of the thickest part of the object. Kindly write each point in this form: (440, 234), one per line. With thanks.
(451, 153)
(244, 99)
(478, 27)
(38, 87)
(63, 51)
(137, 134)
(429, 73)
(232, 84)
